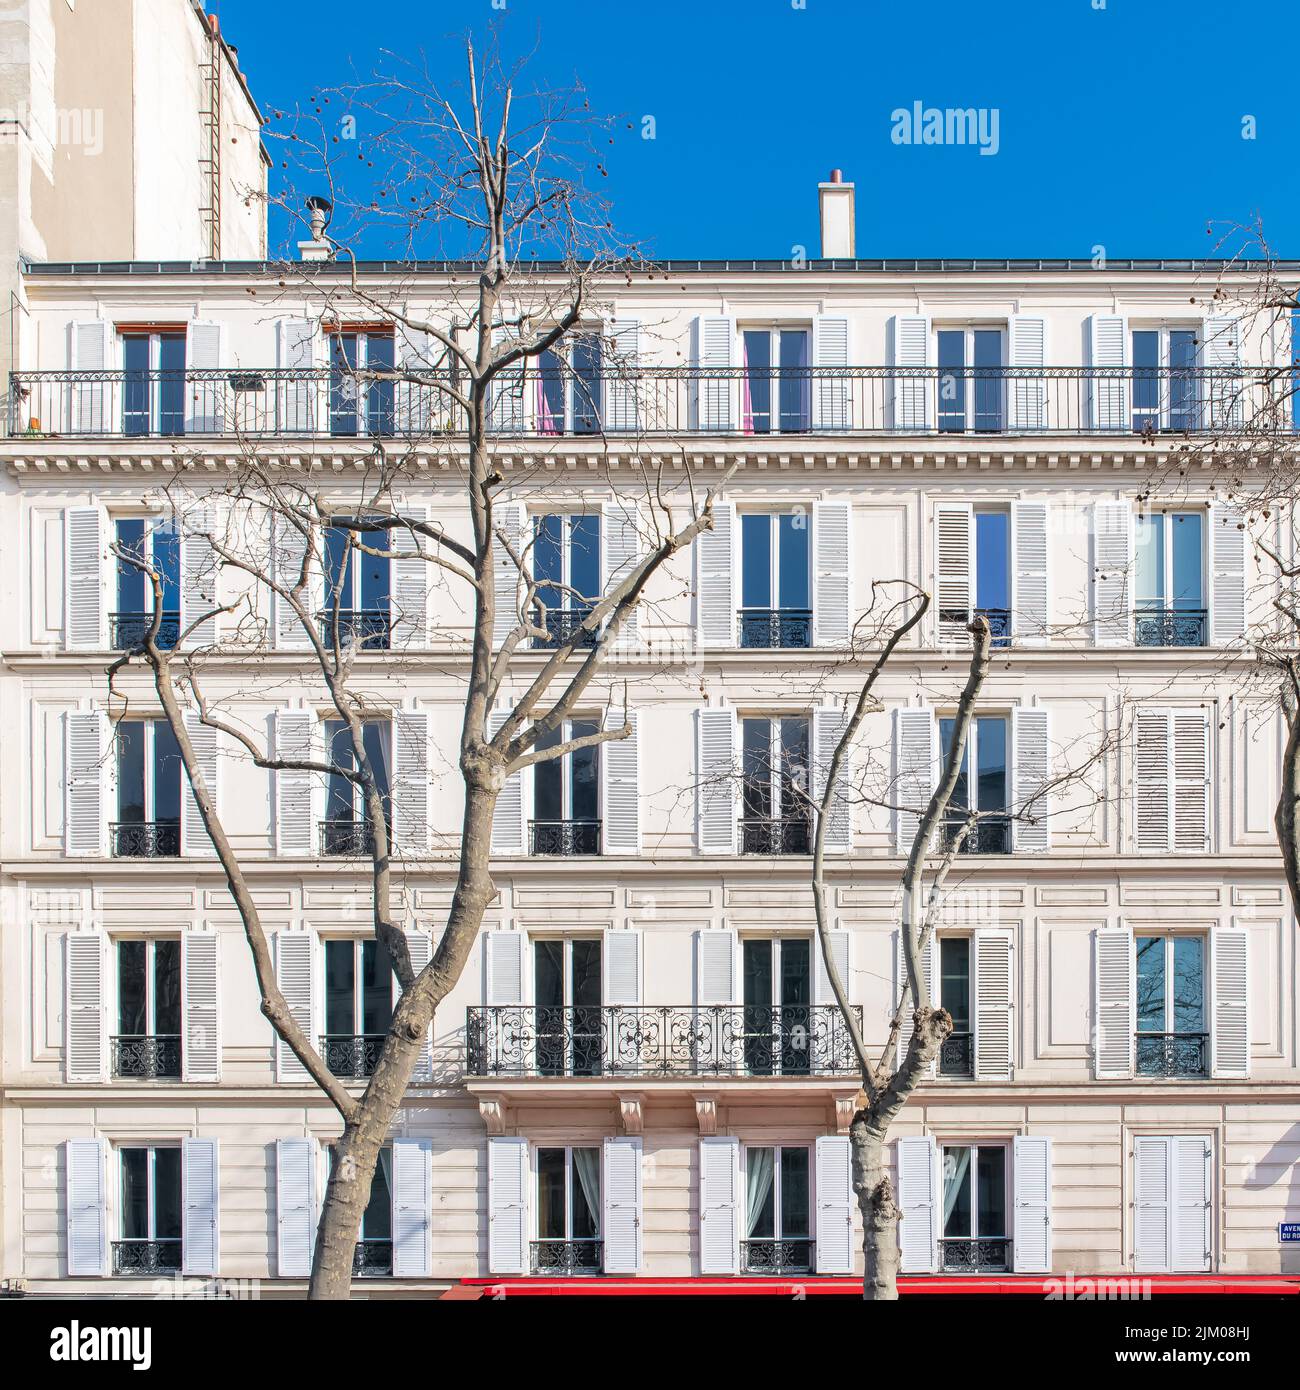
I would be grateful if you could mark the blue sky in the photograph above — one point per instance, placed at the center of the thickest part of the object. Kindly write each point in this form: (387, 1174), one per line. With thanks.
(1119, 126)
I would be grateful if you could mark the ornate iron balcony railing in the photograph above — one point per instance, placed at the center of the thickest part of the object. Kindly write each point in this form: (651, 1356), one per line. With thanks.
(146, 1056)
(665, 1040)
(977, 1255)
(777, 1256)
(998, 619)
(346, 838)
(770, 628)
(1172, 1054)
(565, 838)
(367, 629)
(1170, 627)
(787, 835)
(145, 839)
(957, 1055)
(146, 1256)
(989, 835)
(372, 1259)
(127, 631)
(566, 1256)
(562, 626)
(350, 1055)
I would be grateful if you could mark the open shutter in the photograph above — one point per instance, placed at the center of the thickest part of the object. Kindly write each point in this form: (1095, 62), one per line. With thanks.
(1114, 1008)
(834, 1205)
(1191, 780)
(716, 794)
(621, 1194)
(289, 547)
(85, 1023)
(420, 945)
(908, 342)
(503, 967)
(1152, 771)
(1225, 383)
(832, 618)
(506, 389)
(838, 942)
(829, 726)
(85, 787)
(622, 376)
(918, 1185)
(831, 400)
(507, 1206)
(716, 974)
(200, 1206)
(201, 1006)
(1108, 383)
(715, 578)
(86, 1206)
(204, 389)
(929, 989)
(993, 1004)
(295, 341)
(1031, 768)
(411, 783)
(1227, 575)
(195, 839)
(1029, 606)
(295, 965)
(720, 1189)
(508, 813)
(94, 401)
(1031, 1170)
(1151, 1214)
(295, 1206)
(412, 1208)
(1229, 1002)
(1190, 1178)
(198, 577)
(85, 542)
(620, 762)
(419, 407)
(1027, 387)
(954, 569)
(509, 523)
(294, 731)
(916, 756)
(715, 388)
(408, 602)
(621, 955)
(620, 544)
(1112, 571)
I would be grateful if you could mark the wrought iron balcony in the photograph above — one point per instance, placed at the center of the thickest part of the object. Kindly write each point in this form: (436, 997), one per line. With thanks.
(989, 835)
(146, 1056)
(957, 1055)
(565, 838)
(1170, 627)
(146, 1256)
(769, 628)
(998, 619)
(562, 626)
(777, 1256)
(367, 629)
(1172, 1054)
(346, 839)
(975, 1255)
(372, 1259)
(145, 839)
(646, 1040)
(127, 631)
(352, 1056)
(787, 835)
(566, 1256)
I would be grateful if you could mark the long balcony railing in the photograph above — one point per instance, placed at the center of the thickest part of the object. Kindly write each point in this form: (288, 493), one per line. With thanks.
(975, 1255)
(792, 1256)
(146, 1057)
(649, 1040)
(146, 1256)
(145, 839)
(584, 1256)
(664, 401)
(1172, 1054)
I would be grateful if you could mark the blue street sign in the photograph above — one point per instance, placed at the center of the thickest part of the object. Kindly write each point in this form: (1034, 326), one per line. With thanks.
(1288, 1231)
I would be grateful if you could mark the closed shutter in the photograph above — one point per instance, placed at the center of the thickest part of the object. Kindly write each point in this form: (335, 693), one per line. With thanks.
(715, 578)
(839, 944)
(832, 616)
(412, 1208)
(623, 375)
(831, 397)
(620, 762)
(507, 1206)
(86, 1206)
(85, 1020)
(621, 956)
(289, 546)
(1229, 1002)
(85, 541)
(205, 401)
(295, 1206)
(993, 1005)
(200, 1207)
(908, 342)
(1112, 571)
(620, 542)
(918, 1184)
(199, 578)
(1227, 575)
(1152, 771)
(1191, 1175)
(1029, 605)
(1221, 363)
(1031, 1169)
(295, 965)
(420, 407)
(503, 967)
(294, 832)
(201, 1006)
(506, 389)
(829, 726)
(621, 1194)
(715, 389)
(1107, 383)
(834, 1205)
(716, 792)
(716, 973)
(408, 602)
(508, 813)
(1114, 985)
(411, 783)
(508, 534)
(954, 567)
(93, 403)
(195, 839)
(1027, 387)
(296, 394)
(720, 1191)
(1151, 1214)
(916, 756)
(1031, 831)
(1191, 780)
(86, 776)
(420, 946)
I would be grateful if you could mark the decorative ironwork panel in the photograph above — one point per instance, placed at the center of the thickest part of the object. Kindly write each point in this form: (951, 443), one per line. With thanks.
(147, 839)
(775, 627)
(368, 629)
(352, 1056)
(146, 1057)
(777, 1256)
(988, 835)
(565, 837)
(346, 838)
(957, 1055)
(146, 1256)
(564, 625)
(127, 631)
(788, 835)
(567, 1256)
(999, 621)
(1170, 627)
(372, 1259)
(1172, 1054)
(980, 1255)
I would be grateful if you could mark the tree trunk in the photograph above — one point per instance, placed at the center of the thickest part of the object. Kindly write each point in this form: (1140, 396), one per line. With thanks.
(1286, 821)
(876, 1201)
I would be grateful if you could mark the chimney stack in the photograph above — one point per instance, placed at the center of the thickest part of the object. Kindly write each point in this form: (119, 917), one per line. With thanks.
(318, 248)
(836, 201)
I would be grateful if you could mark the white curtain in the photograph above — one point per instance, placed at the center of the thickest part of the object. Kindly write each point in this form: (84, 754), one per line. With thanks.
(761, 1170)
(586, 1163)
(956, 1163)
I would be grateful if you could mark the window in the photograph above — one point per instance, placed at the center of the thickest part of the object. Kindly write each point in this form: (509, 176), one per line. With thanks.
(373, 1257)
(974, 1209)
(566, 567)
(148, 824)
(957, 1057)
(983, 770)
(357, 588)
(775, 593)
(157, 545)
(972, 385)
(569, 387)
(153, 383)
(568, 1212)
(567, 1005)
(776, 394)
(776, 818)
(1172, 1038)
(1170, 579)
(566, 794)
(993, 572)
(346, 829)
(1164, 379)
(359, 405)
(358, 1005)
(151, 1211)
(777, 1200)
(147, 1043)
(777, 1018)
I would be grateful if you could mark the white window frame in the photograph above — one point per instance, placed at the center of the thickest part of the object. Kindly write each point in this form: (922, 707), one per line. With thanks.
(971, 758)
(774, 329)
(151, 1002)
(358, 795)
(153, 523)
(775, 756)
(151, 1186)
(361, 404)
(776, 1146)
(566, 771)
(359, 943)
(1163, 330)
(355, 558)
(776, 598)
(937, 966)
(562, 351)
(566, 939)
(151, 724)
(991, 509)
(568, 517)
(154, 382)
(968, 331)
(778, 942)
(1169, 937)
(1008, 1189)
(1166, 519)
(327, 1157)
(569, 1180)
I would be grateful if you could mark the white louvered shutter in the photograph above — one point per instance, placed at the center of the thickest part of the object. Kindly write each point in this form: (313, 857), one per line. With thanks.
(294, 738)
(1031, 831)
(1152, 1225)
(715, 388)
(720, 1197)
(1031, 1171)
(1191, 1176)
(295, 1206)
(834, 1232)
(620, 762)
(289, 548)
(1027, 387)
(715, 579)
(420, 407)
(831, 395)
(296, 395)
(908, 342)
(621, 1198)
(622, 376)
(994, 1044)
(195, 839)
(839, 944)
(503, 968)
(508, 813)
(1114, 985)
(408, 602)
(86, 1206)
(86, 783)
(1107, 386)
(85, 548)
(716, 793)
(929, 989)
(506, 390)
(916, 760)
(716, 974)
(200, 1207)
(1229, 1002)
(1152, 773)
(829, 726)
(918, 1185)
(411, 783)
(412, 1208)
(1112, 574)
(295, 967)
(85, 1000)
(93, 402)
(954, 569)
(1029, 602)
(509, 527)
(420, 946)
(620, 544)
(205, 399)
(1227, 575)
(201, 1006)
(508, 1206)
(621, 957)
(1190, 730)
(1221, 364)
(198, 577)
(832, 600)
